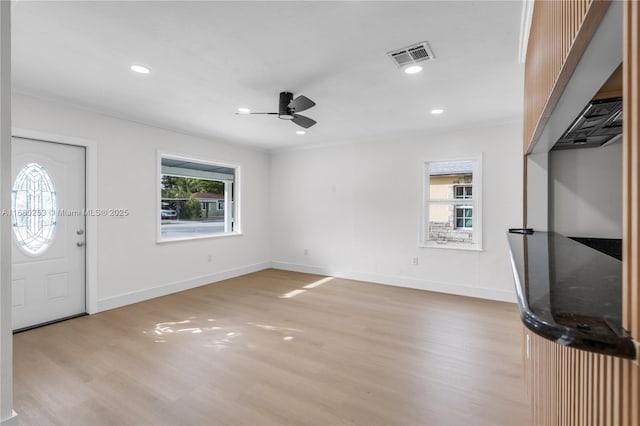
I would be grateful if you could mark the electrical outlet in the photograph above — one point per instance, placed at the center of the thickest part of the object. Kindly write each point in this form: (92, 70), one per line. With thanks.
(210, 258)
(414, 261)
(306, 252)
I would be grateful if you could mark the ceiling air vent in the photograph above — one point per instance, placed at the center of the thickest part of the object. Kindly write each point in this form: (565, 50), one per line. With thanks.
(411, 54)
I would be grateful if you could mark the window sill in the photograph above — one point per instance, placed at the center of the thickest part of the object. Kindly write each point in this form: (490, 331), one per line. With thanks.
(201, 237)
(451, 246)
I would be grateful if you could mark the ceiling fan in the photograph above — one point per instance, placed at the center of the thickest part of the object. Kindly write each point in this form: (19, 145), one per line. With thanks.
(288, 109)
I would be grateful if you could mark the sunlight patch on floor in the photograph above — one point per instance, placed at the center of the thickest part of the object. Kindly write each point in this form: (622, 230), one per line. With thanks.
(296, 292)
(318, 283)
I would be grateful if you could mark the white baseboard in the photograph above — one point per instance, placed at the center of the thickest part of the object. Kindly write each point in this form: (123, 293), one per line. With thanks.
(307, 269)
(163, 290)
(400, 281)
(10, 421)
(394, 280)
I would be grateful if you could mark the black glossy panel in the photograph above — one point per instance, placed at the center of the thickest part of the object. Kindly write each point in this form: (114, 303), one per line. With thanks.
(610, 246)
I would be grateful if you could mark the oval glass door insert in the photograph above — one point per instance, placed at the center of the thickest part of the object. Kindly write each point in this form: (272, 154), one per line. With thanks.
(34, 212)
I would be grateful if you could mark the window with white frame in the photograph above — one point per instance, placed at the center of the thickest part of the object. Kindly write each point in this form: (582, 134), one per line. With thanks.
(197, 198)
(462, 192)
(452, 204)
(464, 217)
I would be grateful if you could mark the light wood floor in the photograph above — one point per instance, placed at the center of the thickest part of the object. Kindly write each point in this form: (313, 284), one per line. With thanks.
(240, 353)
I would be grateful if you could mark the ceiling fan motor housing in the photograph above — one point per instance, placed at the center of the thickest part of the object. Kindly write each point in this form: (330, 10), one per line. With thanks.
(284, 112)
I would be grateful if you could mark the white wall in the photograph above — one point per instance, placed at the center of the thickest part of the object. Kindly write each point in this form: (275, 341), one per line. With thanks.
(356, 208)
(538, 191)
(131, 265)
(585, 191)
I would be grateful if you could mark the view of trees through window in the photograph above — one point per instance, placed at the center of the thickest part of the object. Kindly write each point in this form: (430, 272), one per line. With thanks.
(196, 199)
(178, 196)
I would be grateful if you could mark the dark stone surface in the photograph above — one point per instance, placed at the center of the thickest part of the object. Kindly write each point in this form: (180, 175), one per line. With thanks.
(570, 293)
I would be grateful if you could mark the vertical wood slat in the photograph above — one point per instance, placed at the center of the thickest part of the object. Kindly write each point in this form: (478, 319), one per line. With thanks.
(601, 398)
(617, 394)
(573, 384)
(560, 32)
(583, 389)
(563, 387)
(594, 389)
(625, 390)
(631, 201)
(590, 388)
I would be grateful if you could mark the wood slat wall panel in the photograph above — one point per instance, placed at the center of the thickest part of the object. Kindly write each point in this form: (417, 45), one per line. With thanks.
(572, 387)
(569, 386)
(560, 32)
(578, 388)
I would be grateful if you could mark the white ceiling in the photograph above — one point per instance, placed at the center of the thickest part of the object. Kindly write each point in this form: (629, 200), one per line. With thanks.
(209, 58)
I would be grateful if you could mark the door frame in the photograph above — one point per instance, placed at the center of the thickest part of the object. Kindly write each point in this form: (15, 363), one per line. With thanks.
(91, 202)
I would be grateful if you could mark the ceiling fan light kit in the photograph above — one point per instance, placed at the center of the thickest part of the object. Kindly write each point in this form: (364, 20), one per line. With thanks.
(284, 112)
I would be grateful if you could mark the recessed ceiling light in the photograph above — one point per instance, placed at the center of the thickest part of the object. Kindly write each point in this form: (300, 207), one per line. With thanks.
(437, 111)
(300, 132)
(413, 69)
(140, 69)
(243, 110)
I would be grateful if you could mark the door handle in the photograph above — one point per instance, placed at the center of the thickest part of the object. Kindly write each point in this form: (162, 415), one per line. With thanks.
(80, 231)
(80, 243)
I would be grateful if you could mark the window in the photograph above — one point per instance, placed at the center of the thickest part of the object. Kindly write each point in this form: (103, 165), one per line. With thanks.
(464, 217)
(197, 199)
(462, 192)
(452, 204)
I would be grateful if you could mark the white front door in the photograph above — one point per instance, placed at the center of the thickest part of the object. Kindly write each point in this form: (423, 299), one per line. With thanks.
(48, 202)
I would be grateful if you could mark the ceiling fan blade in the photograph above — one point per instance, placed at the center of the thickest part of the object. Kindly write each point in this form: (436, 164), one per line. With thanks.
(301, 103)
(303, 121)
(259, 113)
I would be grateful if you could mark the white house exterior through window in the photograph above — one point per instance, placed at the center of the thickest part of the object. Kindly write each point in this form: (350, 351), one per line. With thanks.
(452, 204)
